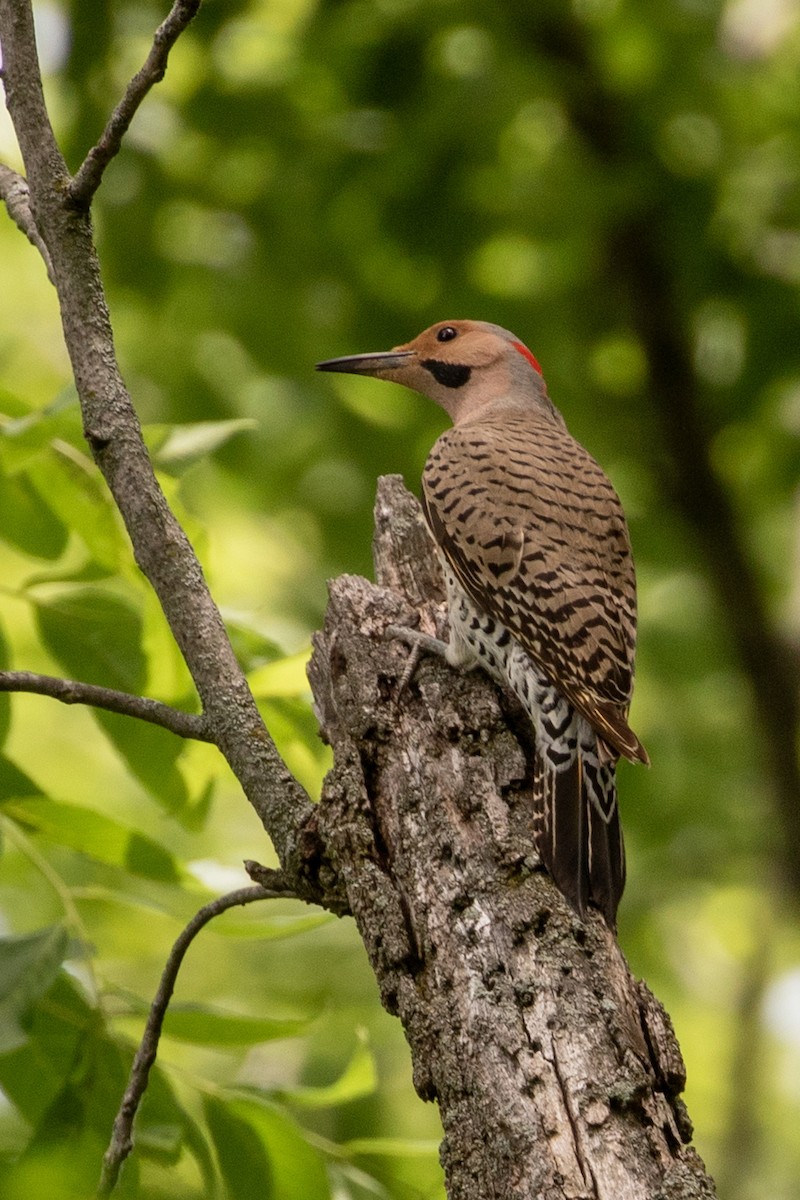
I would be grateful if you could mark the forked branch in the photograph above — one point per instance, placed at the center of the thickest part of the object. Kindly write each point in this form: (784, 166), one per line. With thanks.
(87, 179)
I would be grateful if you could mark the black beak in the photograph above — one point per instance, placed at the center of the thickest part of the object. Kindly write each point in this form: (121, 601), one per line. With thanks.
(367, 364)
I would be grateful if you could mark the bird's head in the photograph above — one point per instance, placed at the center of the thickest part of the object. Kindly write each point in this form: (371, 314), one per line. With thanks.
(464, 366)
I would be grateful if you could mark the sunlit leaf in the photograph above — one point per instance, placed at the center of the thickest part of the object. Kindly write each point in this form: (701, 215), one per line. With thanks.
(179, 446)
(35, 1073)
(354, 1183)
(198, 1145)
(284, 677)
(358, 1079)
(152, 754)
(168, 677)
(293, 727)
(26, 434)
(89, 571)
(95, 834)
(95, 636)
(210, 1026)
(161, 1123)
(76, 493)
(298, 1170)
(66, 1081)
(5, 699)
(253, 649)
(271, 928)
(26, 520)
(389, 1147)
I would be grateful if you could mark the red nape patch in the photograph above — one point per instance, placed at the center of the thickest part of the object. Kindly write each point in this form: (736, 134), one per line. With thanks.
(525, 352)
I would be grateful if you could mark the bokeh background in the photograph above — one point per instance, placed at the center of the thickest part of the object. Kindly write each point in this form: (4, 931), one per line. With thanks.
(619, 183)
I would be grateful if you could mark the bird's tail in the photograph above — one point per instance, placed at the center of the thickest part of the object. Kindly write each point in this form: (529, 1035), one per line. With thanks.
(578, 832)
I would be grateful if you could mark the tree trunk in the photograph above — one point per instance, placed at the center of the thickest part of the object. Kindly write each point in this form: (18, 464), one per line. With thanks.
(556, 1073)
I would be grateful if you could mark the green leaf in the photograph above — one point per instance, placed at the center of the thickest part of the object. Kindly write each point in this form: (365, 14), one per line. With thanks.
(354, 1183)
(5, 699)
(194, 814)
(284, 677)
(391, 1147)
(14, 782)
(28, 966)
(177, 447)
(161, 1123)
(33, 1074)
(293, 727)
(67, 1082)
(95, 636)
(358, 1079)
(78, 496)
(197, 1144)
(168, 677)
(87, 572)
(26, 521)
(298, 1169)
(26, 433)
(213, 1027)
(241, 1153)
(271, 928)
(252, 647)
(152, 754)
(98, 836)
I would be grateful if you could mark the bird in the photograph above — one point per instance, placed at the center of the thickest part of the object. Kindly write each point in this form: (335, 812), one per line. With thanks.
(541, 587)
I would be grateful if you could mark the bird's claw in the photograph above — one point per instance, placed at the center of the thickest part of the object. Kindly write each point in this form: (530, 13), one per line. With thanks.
(420, 643)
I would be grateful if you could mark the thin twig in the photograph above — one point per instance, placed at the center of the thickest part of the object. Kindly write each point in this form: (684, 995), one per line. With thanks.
(14, 191)
(87, 179)
(121, 1142)
(71, 691)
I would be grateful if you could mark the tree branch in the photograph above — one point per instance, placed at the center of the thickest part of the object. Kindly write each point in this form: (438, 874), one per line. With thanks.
(71, 691)
(121, 1142)
(14, 191)
(112, 429)
(87, 179)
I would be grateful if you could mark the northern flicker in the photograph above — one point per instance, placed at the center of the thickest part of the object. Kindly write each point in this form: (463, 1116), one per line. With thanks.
(540, 582)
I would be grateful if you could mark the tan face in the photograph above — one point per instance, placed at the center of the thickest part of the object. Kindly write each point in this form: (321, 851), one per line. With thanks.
(467, 343)
(462, 365)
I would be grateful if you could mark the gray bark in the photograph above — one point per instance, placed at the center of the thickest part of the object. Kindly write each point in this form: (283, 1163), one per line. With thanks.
(556, 1073)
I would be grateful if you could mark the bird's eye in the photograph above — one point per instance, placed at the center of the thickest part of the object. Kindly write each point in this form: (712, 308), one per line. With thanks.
(446, 334)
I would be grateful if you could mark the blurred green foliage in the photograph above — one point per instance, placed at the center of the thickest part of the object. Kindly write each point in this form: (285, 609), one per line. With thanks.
(318, 178)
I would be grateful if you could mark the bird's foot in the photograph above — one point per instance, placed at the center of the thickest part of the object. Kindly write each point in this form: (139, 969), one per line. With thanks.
(420, 643)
